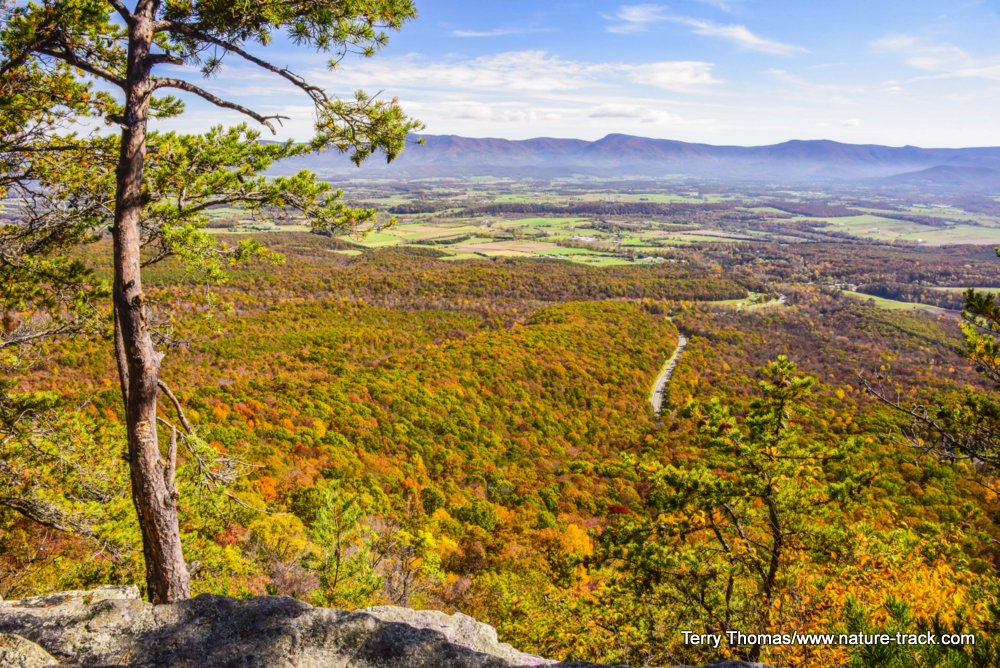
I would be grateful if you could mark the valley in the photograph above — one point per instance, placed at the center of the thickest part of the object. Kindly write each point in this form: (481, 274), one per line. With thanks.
(456, 407)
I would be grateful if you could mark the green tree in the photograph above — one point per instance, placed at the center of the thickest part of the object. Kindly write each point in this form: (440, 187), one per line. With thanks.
(723, 535)
(43, 292)
(155, 188)
(343, 558)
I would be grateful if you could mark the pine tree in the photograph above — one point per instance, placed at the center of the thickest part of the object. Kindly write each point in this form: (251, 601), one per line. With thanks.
(154, 188)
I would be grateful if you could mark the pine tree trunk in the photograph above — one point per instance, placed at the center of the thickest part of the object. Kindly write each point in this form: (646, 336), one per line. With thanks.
(167, 576)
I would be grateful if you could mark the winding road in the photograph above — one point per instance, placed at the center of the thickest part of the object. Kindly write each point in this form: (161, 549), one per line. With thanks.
(656, 397)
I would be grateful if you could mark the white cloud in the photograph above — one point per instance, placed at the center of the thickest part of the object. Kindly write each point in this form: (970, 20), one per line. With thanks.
(940, 60)
(741, 36)
(673, 75)
(831, 92)
(519, 93)
(511, 71)
(896, 43)
(487, 112)
(634, 112)
(728, 6)
(638, 18)
(851, 122)
(518, 71)
(495, 32)
(925, 55)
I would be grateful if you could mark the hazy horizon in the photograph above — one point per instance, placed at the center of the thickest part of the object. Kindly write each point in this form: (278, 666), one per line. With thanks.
(612, 132)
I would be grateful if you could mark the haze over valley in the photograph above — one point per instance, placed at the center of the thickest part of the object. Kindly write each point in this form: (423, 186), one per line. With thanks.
(617, 156)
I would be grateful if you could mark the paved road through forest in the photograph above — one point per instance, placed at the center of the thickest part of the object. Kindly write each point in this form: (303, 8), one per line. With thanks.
(656, 398)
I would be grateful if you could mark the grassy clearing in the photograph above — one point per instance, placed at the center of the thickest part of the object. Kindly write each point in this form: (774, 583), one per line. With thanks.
(464, 256)
(748, 303)
(692, 237)
(893, 305)
(569, 251)
(598, 260)
(375, 240)
(958, 234)
(506, 248)
(951, 213)
(658, 198)
(544, 222)
(239, 229)
(870, 226)
(960, 289)
(767, 211)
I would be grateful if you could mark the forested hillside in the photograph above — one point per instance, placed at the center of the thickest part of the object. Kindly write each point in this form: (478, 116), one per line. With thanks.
(476, 436)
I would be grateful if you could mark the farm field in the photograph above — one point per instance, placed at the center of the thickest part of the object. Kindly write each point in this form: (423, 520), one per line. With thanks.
(895, 305)
(634, 222)
(594, 225)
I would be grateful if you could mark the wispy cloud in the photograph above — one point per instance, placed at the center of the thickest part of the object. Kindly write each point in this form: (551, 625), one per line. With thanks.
(728, 6)
(672, 74)
(739, 35)
(924, 55)
(634, 112)
(816, 89)
(495, 32)
(638, 18)
(940, 60)
(525, 71)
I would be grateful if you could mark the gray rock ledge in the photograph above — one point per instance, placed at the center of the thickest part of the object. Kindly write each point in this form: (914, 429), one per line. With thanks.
(112, 626)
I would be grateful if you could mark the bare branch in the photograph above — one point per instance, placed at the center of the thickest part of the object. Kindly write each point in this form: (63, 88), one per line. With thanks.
(177, 406)
(976, 443)
(170, 470)
(240, 502)
(120, 358)
(169, 59)
(122, 10)
(45, 515)
(16, 339)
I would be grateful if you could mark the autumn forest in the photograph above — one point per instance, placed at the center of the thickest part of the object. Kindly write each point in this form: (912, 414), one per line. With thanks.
(476, 435)
(593, 394)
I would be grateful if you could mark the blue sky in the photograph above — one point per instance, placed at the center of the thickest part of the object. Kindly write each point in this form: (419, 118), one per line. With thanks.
(922, 72)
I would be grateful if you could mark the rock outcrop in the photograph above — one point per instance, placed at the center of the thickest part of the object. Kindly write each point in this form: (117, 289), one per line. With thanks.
(112, 626)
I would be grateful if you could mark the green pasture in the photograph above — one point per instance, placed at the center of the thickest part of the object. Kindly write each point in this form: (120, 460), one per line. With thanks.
(960, 289)
(543, 222)
(747, 302)
(894, 305)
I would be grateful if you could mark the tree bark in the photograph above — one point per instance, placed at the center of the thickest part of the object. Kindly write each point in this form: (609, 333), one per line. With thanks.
(167, 577)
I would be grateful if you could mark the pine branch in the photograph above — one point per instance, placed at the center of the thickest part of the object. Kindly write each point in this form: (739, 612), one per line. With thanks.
(189, 87)
(68, 56)
(188, 30)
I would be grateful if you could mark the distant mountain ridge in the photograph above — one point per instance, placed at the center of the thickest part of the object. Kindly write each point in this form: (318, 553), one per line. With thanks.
(619, 155)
